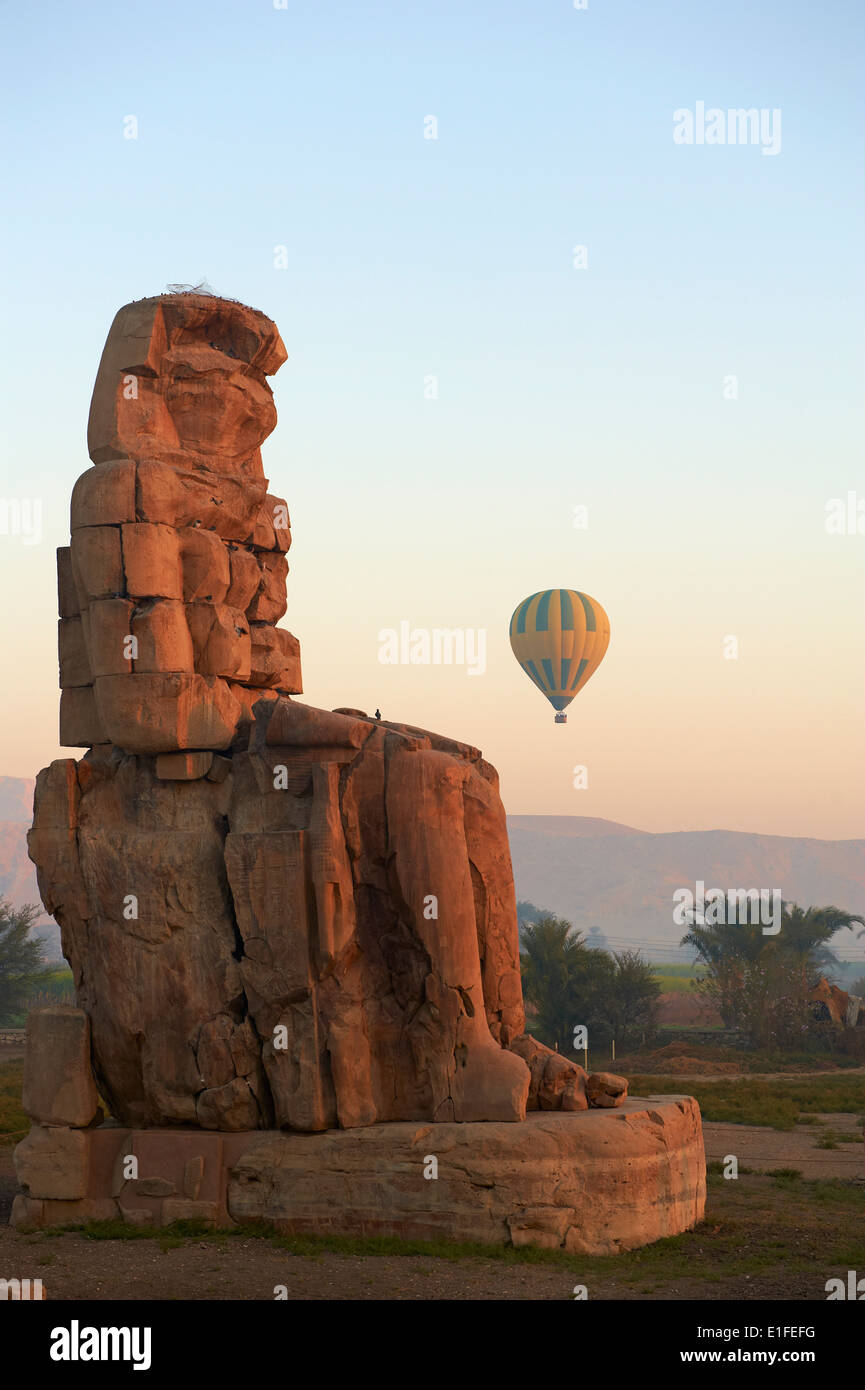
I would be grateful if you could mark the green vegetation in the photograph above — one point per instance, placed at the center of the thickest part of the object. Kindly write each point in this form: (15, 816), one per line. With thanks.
(567, 984)
(675, 984)
(13, 1121)
(22, 960)
(56, 987)
(835, 1137)
(528, 912)
(676, 978)
(797, 1061)
(749, 1101)
(760, 984)
(785, 1177)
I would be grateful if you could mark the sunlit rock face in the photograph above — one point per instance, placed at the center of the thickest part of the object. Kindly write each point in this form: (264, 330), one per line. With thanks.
(175, 576)
(276, 916)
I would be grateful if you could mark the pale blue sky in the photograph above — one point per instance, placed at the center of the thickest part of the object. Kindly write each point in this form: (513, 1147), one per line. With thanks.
(303, 127)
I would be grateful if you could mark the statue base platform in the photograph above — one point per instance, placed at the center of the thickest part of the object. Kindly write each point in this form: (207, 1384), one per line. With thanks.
(594, 1182)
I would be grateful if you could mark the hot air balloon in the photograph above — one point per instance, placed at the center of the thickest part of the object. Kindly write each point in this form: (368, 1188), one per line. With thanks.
(559, 637)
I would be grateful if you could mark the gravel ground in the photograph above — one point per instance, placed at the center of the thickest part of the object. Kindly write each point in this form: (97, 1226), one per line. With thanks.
(765, 1149)
(247, 1269)
(72, 1268)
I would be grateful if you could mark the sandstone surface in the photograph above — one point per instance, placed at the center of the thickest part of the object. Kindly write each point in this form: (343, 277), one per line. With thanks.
(595, 1182)
(58, 1086)
(276, 916)
(325, 936)
(174, 578)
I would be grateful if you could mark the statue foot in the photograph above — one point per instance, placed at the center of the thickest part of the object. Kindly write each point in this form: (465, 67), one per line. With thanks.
(605, 1090)
(556, 1083)
(488, 1083)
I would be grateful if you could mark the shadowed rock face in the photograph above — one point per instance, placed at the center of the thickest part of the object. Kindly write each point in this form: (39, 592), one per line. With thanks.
(318, 928)
(323, 938)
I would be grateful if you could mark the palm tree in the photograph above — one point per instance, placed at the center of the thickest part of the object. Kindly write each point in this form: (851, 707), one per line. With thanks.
(755, 979)
(806, 933)
(549, 958)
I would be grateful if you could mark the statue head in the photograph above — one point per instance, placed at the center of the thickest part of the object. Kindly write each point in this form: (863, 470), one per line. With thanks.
(183, 379)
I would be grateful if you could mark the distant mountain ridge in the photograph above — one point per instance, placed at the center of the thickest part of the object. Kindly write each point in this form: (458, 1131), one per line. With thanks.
(571, 827)
(596, 872)
(588, 870)
(16, 798)
(17, 875)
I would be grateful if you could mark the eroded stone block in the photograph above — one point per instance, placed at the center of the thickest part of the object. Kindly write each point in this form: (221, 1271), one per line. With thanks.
(96, 563)
(68, 604)
(221, 640)
(108, 632)
(52, 1162)
(104, 495)
(80, 724)
(151, 561)
(184, 767)
(58, 1087)
(206, 571)
(74, 662)
(163, 638)
(147, 713)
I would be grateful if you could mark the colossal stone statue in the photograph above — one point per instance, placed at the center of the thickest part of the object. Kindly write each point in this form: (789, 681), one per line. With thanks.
(276, 916)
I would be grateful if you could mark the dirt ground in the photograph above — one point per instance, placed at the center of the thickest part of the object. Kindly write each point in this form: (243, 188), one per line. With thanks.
(250, 1269)
(74, 1268)
(762, 1239)
(765, 1149)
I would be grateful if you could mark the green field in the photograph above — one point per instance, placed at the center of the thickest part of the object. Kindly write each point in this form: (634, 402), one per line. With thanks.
(56, 988)
(677, 979)
(746, 1100)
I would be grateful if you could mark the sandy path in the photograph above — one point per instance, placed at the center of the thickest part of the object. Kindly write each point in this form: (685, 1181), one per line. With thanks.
(764, 1149)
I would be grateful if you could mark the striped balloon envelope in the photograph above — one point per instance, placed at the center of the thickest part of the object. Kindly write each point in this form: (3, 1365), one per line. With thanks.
(559, 637)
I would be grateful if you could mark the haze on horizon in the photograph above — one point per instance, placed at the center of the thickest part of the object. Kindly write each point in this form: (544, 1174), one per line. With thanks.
(456, 388)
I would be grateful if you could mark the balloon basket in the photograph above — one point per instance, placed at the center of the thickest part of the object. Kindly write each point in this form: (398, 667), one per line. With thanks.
(560, 719)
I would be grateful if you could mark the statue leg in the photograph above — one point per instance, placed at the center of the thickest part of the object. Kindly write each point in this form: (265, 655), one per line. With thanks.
(475, 1078)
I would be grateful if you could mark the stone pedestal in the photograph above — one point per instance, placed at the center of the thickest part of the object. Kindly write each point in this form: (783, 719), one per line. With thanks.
(594, 1182)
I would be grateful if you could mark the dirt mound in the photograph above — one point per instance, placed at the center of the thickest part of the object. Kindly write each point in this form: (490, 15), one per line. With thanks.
(695, 1066)
(689, 1059)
